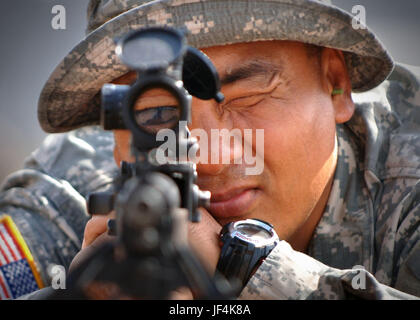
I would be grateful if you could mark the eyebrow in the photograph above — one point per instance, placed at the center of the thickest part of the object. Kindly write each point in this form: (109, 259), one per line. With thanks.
(251, 69)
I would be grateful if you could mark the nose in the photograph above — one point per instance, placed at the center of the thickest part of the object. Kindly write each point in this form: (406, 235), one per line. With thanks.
(209, 121)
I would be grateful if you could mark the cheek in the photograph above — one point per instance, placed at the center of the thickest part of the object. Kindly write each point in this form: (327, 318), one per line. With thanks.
(299, 140)
(298, 163)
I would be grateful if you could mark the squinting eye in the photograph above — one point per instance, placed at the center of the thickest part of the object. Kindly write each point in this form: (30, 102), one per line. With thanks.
(157, 118)
(246, 102)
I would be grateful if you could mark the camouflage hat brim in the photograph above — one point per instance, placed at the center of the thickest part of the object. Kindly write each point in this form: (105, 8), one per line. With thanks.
(70, 98)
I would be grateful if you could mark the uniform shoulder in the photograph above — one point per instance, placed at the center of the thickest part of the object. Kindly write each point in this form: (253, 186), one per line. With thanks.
(82, 157)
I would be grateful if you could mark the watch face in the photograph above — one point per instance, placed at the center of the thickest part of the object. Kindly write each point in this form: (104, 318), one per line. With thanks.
(253, 231)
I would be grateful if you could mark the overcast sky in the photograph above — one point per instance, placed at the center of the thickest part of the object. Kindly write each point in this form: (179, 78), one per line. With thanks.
(31, 49)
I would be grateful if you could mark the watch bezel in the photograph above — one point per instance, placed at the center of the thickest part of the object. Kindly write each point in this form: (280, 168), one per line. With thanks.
(256, 241)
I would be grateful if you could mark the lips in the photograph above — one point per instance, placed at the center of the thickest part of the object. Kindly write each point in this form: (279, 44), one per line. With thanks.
(233, 203)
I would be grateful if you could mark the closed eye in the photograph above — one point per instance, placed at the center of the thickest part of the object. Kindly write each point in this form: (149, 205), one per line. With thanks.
(245, 102)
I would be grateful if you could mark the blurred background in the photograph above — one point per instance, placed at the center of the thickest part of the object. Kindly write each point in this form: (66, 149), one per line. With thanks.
(31, 49)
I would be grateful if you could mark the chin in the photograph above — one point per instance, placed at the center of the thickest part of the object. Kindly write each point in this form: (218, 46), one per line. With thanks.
(224, 221)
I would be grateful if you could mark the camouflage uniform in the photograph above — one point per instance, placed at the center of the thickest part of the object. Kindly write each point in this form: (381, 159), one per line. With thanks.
(372, 219)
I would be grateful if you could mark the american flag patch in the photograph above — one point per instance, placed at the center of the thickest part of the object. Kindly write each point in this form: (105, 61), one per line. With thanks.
(18, 272)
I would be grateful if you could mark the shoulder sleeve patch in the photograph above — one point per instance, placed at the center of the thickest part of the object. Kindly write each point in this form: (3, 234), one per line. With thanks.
(19, 274)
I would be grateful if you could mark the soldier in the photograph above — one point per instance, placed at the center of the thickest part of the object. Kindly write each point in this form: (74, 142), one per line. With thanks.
(341, 162)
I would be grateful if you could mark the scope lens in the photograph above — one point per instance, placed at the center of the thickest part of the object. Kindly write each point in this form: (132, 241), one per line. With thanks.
(156, 109)
(151, 47)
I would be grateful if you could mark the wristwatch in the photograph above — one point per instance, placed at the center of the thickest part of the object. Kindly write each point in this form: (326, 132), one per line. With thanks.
(245, 244)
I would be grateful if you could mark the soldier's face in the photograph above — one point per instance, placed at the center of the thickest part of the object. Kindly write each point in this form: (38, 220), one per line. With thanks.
(278, 87)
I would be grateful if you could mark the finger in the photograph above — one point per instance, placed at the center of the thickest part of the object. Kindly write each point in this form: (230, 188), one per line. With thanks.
(96, 226)
(207, 218)
(182, 293)
(85, 253)
(207, 229)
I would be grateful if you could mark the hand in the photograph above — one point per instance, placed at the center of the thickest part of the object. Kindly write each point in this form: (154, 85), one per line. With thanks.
(203, 238)
(95, 234)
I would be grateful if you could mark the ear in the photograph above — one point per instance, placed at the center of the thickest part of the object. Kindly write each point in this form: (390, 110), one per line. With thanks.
(335, 76)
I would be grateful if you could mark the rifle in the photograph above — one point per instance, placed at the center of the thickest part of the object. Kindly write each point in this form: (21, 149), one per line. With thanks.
(156, 195)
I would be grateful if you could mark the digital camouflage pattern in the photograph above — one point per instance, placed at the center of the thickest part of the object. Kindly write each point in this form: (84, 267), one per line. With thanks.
(70, 97)
(372, 218)
(46, 199)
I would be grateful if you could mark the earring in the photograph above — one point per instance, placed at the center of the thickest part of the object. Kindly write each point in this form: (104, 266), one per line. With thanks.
(337, 91)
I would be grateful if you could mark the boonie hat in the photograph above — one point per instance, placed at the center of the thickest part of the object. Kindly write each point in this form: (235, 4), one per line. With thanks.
(70, 98)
